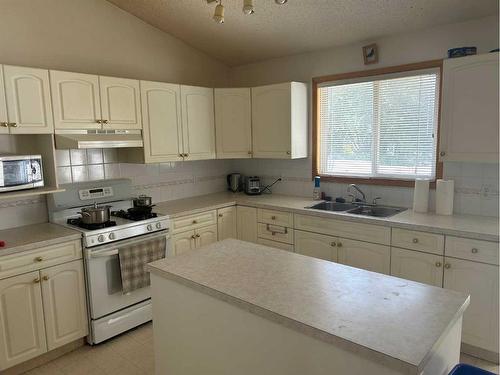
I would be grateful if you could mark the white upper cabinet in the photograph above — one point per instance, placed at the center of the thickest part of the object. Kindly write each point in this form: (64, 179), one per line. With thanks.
(120, 103)
(76, 100)
(279, 121)
(27, 93)
(162, 126)
(469, 113)
(4, 127)
(197, 105)
(233, 123)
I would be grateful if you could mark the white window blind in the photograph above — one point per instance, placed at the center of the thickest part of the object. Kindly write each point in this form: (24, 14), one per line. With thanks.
(380, 127)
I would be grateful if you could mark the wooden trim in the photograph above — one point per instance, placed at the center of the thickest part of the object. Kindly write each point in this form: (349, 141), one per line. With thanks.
(368, 73)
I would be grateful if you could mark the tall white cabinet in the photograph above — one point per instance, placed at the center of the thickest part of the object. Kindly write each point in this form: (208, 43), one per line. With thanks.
(469, 112)
(279, 121)
(233, 123)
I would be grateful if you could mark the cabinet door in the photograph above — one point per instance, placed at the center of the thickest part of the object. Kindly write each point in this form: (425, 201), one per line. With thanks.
(413, 265)
(226, 223)
(161, 121)
(182, 242)
(246, 223)
(75, 100)
(469, 114)
(120, 103)
(316, 245)
(206, 236)
(197, 104)
(22, 333)
(480, 324)
(271, 121)
(365, 255)
(65, 311)
(233, 123)
(29, 108)
(3, 106)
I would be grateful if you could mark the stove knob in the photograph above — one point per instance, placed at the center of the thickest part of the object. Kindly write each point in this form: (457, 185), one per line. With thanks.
(112, 236)
(149, 227)
(100, 238)
(158, 225)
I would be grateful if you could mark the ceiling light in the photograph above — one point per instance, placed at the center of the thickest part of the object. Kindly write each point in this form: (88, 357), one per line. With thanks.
(248, 7)
(280, 2)
(219, 13)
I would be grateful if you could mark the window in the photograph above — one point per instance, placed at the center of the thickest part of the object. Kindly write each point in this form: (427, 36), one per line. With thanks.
(378, 126)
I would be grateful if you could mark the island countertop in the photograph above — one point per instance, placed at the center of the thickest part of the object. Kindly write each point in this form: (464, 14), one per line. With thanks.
(398, 319)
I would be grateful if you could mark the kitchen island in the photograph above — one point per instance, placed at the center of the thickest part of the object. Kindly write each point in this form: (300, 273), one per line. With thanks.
(239, 308)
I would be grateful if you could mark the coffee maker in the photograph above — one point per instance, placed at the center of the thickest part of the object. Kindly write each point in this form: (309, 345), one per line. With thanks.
(234, 182)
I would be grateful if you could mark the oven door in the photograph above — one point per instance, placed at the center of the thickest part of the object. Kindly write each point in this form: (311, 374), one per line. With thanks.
(15, 174)
(104, 285)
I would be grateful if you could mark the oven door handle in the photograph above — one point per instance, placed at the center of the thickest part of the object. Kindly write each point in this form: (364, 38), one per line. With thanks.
(104, 254)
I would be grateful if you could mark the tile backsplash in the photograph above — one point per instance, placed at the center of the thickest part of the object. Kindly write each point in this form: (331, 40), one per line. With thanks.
(87, 165)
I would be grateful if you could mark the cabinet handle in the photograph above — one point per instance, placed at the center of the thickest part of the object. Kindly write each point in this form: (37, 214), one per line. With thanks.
(339, 244)
(185, 155)
(273, 217)
(105, 121)
(45, 278)
(4, 124)
(442, 153)
(220, 215)
(36, 281)
(447, 265)
(12, 124)
(333, 244)
(98, 121)
(415, 240)
(438, 264)
(249, 152)
(193, 236)
(181, 155)
(197, 236)
(38, 259)
(474, 250)
(195, 222)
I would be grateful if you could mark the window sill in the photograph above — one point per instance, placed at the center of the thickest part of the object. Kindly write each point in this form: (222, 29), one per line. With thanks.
(371, 181)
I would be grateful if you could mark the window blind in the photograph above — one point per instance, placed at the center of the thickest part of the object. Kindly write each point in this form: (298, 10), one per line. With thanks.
(381, 127)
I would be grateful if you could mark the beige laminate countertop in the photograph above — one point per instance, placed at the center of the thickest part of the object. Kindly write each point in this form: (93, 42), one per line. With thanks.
(394, 319)
(470, 226)
(35, 236)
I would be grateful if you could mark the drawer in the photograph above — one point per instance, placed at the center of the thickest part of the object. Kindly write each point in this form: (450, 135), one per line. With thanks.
(278, 245)
(28, 261)
(275, 233)
(282, 218)
(421, 241)
(184, 223)
(476, 250)
(342, 228)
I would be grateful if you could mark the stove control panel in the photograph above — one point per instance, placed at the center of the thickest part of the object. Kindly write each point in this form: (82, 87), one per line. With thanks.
(102, 192)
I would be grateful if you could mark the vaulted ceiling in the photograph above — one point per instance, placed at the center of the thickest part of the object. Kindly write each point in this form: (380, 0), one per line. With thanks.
(299, 25)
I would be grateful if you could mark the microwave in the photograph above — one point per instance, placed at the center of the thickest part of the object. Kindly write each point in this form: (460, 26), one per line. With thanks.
(19, 172)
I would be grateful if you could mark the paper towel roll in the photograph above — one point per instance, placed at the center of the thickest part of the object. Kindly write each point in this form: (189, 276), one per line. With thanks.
(421, 196)
(445, 190)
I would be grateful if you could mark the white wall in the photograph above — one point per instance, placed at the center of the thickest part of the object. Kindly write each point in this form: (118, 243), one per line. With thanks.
(476, 185)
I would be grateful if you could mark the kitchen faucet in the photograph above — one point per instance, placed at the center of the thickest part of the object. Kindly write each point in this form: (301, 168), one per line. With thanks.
(356, 187)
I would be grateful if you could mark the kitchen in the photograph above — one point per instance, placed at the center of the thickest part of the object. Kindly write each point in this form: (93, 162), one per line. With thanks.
(121, 99)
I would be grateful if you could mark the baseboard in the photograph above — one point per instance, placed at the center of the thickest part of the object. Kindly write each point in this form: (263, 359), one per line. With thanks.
(480, 353)
(44, 358)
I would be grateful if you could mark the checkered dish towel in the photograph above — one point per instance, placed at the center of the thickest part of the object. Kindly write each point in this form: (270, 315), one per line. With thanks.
(133, 260)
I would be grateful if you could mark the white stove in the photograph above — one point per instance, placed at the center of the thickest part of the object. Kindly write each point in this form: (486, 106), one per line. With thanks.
(111, 311)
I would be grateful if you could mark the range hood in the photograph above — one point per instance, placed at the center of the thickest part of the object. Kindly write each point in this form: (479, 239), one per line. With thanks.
(98, 139)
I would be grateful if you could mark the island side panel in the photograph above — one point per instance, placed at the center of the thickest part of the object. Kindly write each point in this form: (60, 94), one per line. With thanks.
(195, 333)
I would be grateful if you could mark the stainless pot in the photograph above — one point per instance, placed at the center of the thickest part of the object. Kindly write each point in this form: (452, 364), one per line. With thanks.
(143, 201)
(95, 215)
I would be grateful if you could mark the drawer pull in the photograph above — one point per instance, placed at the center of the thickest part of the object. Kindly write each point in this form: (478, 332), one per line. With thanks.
(447, 265)
(273, 217)
(285, 230)
(38, 259)
(415, 240)
(333, 244)
(197, 236)
(45, 278)
(221, 215)
(36, 281)
(193, 236)
(474, 250)
(339, 244)
(195, 222)
(438, 264)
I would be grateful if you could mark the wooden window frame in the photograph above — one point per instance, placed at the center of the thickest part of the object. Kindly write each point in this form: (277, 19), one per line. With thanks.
(316, 81)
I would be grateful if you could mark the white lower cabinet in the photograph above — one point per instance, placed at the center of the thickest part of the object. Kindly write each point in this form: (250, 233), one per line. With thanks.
(206, 236)
(65, 311)
(226, 223)
(193, 239)
(316, 245)
(480, 324)
(416, 266)
(365, 255)
(275, 244)
(22, 333)
(246, 223)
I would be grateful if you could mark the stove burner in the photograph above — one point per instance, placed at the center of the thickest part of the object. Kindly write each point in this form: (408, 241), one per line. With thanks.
(79, 223)
(134, 214)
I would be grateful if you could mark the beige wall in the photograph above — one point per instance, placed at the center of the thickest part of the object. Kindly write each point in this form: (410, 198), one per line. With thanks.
(94, 36)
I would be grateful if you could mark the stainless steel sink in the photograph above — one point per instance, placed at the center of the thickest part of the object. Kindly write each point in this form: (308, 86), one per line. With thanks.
(359, 209)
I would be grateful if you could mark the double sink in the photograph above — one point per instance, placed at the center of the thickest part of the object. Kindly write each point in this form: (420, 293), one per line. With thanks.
(359, 208)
